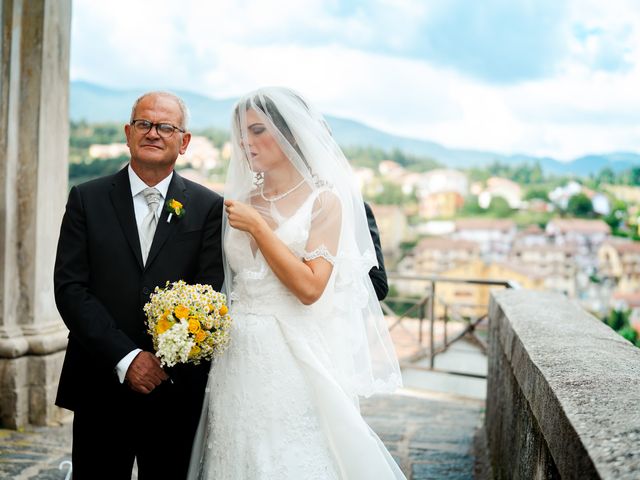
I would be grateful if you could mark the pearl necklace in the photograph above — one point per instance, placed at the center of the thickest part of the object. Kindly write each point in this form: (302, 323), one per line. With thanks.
(281, 196)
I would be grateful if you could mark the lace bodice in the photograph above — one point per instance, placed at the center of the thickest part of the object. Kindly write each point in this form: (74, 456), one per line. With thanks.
(255, 287)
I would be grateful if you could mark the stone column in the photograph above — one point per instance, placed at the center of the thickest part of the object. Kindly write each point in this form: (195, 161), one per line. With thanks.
(34, 137)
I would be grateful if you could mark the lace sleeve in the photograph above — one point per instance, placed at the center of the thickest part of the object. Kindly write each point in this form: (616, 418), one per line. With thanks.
(321, 251)
(324, 228)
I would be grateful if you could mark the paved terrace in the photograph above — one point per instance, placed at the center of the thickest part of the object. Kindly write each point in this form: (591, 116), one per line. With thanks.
(430, 436)
(429, 433)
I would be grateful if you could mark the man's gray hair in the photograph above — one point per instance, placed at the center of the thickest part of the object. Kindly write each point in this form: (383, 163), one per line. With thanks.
(183, 106)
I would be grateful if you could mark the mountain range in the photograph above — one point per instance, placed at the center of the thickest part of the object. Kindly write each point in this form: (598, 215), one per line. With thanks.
(95, 103)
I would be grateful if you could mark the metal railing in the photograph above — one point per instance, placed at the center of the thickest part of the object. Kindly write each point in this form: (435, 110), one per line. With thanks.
(425, 308)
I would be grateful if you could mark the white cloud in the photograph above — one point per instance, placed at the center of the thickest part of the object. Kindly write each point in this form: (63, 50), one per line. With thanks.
(228, 47)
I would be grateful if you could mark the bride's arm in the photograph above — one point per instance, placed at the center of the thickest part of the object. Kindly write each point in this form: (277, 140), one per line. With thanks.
(305, 279)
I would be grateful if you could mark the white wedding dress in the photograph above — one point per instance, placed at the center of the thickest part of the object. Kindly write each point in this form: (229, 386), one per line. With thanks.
(275, 407)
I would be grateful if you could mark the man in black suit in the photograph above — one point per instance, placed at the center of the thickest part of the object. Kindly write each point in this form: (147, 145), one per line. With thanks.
(377, 274)
(117, 243)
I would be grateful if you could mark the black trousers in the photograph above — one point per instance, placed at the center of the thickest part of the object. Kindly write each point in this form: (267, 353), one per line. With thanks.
(156, 429)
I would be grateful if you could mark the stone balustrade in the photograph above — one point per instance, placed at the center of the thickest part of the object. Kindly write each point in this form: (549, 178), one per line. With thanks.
(563, 392)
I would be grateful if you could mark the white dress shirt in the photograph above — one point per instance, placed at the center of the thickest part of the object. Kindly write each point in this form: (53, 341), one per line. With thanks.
(141, 209)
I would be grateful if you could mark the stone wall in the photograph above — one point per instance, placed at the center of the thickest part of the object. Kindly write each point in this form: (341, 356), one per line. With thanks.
(563, 392)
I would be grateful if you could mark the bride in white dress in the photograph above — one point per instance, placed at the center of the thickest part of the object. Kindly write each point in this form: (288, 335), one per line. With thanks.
(308, 335)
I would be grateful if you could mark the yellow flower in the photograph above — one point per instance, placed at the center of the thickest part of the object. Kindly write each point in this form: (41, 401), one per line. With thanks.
(162, 326)
(210, 307)
(181, 312)
(176, 206)
(223, 310)
(195, 350)
(194, 325)
(200, 336)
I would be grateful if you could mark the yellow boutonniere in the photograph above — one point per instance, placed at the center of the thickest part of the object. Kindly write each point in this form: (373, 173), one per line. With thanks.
(174, 207)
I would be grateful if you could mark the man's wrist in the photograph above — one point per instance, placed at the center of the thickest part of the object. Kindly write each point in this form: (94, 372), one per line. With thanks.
(124, 363)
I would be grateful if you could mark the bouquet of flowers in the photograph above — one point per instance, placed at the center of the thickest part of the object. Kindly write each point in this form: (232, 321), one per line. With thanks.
(188, 323)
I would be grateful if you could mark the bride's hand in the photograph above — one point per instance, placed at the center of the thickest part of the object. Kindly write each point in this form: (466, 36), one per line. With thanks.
(243, 217)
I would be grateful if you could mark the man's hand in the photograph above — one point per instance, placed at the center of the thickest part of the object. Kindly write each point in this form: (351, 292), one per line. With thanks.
(145, 373)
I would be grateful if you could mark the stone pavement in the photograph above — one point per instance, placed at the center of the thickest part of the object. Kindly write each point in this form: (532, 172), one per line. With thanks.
(429, 434)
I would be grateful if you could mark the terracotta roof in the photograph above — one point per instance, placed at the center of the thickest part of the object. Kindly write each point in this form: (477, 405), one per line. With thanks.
(484, 224)
(632, 299)
(580, 225)
(624, 246)
(533, 229)
(445, 243)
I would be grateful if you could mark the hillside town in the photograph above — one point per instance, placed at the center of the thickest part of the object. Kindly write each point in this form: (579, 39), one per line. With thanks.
(443, 222)
(579, 257)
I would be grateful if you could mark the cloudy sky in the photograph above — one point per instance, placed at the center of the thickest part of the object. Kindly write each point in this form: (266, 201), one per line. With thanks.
(542, 77)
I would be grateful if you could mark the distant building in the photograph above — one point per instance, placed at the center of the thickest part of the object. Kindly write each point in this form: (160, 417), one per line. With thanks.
(555, 264)
(410, 182)
(444, 180)
(201, 154)
(586, 235)
(619, 261)
(494, 236)
(532, 235)
(600, 203)
(111, 150)
(391, 170)
(501, 187)
(366, 179)
(440, 205)
(393, 227)
(625, 193)
(225, 153)
(441, 192)
(467, 299)
(433, 255)
(561, 195)
(436, 228)
(196, 176)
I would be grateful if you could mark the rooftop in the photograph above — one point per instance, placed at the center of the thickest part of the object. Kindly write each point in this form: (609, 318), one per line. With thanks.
(485, 224)
(578, 225)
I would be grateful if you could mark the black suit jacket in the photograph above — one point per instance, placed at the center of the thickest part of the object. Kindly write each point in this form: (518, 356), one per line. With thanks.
(377, 274)
(101, 283)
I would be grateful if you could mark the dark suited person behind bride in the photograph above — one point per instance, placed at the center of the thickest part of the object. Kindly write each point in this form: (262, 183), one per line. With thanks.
(117, 243)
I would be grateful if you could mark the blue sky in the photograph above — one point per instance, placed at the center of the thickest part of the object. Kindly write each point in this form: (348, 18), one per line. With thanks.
(542, 77)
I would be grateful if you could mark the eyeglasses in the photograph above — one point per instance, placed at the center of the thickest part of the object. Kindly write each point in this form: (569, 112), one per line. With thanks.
(165, 130)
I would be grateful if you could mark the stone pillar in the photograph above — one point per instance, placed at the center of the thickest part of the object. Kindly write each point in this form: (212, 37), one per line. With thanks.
(34, 137)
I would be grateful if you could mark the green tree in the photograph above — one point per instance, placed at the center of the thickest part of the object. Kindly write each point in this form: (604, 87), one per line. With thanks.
(606, 175)
(618, 215)
(537, 192)
(391, 194)
(618, 319)
(580, 206)
(629, 333)
(86, 170)
(217, 137)
(470, 207)
(499, 207)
